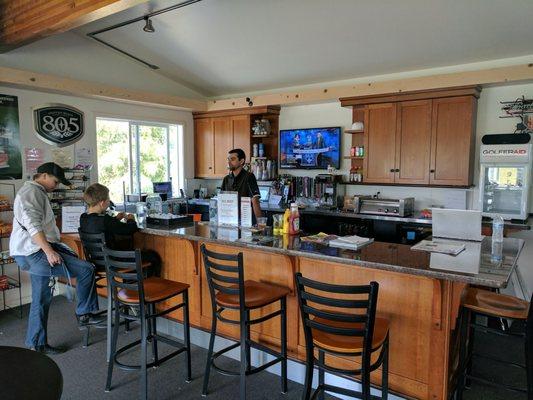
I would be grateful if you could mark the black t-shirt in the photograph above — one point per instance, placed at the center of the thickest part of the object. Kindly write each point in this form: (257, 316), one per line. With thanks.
(110, 226)
(244, 183)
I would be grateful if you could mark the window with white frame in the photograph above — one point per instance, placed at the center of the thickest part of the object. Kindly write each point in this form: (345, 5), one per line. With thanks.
(132, 155)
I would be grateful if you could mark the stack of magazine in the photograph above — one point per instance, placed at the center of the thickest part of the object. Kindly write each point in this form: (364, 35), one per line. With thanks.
(350, 242)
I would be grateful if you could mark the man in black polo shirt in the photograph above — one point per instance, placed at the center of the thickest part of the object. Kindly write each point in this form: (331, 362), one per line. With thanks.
(241, 181)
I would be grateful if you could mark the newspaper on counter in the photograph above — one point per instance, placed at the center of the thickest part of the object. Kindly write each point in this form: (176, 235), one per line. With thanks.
(439, 247)
(321, 237)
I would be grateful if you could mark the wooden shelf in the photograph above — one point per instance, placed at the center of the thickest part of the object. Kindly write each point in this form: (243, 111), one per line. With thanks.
(261, 136)
(354, 158)
(353, 132)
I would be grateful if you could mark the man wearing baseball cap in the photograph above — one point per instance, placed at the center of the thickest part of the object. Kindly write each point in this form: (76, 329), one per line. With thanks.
(35, 245)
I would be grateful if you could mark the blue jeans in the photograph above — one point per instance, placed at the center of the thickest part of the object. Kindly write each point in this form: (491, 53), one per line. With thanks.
(40, 271)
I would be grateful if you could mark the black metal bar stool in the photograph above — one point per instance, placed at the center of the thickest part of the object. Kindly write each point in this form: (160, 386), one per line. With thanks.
(129, 288)
(93, 244)
(229, 290)
(330, 329)
(493, 305)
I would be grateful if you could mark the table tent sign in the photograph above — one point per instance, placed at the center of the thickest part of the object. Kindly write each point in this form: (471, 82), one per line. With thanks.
(228, 208)
(58, 124)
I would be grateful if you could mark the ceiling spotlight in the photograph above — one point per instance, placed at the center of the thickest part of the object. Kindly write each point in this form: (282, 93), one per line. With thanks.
(148, 27)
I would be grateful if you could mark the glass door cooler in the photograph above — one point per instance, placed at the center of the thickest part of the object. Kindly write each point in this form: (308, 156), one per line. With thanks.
(505, 176)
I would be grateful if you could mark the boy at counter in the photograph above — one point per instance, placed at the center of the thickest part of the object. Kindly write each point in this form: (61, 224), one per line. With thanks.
(96, 220)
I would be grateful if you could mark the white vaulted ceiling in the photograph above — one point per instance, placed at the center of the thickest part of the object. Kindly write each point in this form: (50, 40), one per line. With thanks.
(223, 47)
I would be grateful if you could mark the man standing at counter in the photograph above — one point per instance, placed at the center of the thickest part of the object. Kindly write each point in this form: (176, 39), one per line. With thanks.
(242, 181)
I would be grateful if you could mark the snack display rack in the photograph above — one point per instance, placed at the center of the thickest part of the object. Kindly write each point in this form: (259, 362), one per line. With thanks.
(9, 276)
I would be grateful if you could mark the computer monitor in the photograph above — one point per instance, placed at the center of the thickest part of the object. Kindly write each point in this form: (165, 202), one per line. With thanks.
(163, 187)
(264, 191)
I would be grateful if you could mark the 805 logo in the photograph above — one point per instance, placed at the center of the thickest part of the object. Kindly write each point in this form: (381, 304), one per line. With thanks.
(58, 124)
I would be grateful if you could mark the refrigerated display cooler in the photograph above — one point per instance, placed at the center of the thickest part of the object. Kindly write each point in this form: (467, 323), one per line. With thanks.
(505, 175)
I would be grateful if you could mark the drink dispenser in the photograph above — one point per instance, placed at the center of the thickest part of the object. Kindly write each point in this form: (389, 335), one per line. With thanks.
(504, 176)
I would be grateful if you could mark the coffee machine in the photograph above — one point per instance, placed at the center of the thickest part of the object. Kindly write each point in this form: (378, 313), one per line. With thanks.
(327, 191)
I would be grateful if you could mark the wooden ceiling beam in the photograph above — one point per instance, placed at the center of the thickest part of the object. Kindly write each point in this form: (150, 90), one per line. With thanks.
(487, 77)
(55, 84)
(25, 21)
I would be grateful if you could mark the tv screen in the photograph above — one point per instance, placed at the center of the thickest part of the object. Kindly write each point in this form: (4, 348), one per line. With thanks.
(312, 148)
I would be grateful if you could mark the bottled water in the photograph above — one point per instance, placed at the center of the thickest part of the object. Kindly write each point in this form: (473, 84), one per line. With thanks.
(141, 213)
(497, 229)
(497, 239)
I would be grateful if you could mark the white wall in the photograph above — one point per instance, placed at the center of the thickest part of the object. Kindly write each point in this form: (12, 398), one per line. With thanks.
(92, 108)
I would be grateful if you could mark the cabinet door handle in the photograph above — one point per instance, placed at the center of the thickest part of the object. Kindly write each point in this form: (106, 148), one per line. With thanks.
(210, 168)
(397, 170)
(432, 171)
(392, 170)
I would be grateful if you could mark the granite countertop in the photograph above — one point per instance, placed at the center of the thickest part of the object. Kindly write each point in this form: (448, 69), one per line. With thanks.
(474, 265)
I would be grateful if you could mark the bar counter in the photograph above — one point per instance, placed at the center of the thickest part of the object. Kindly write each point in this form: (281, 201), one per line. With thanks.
(474, 265)
(418, 293)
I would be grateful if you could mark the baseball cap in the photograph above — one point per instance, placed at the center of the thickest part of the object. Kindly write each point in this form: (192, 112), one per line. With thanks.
(55, 170)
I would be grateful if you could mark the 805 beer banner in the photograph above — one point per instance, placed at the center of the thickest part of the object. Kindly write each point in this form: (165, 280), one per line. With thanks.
(58, 124)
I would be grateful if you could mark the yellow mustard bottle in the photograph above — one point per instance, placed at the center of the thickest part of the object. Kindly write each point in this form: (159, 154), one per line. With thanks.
(286, 217)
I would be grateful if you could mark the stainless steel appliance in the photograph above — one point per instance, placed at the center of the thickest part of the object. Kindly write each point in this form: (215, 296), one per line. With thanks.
(353, 203)
(397, 207)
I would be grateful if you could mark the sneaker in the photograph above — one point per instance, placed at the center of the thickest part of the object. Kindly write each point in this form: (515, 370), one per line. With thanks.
(48, 350)
(90, 319)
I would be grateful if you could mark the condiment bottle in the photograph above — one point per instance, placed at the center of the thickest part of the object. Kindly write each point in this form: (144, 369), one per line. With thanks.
(286, 216)
(294, 220)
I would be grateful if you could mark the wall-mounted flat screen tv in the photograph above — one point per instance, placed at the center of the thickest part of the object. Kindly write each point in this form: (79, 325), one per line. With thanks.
(311, 148)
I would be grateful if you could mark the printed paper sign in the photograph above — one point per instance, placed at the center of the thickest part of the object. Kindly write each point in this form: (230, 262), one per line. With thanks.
(70, 218)
(228, 208)
(246, 212)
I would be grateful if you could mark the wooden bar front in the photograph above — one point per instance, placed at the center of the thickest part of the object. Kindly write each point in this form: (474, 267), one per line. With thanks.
(422, 311)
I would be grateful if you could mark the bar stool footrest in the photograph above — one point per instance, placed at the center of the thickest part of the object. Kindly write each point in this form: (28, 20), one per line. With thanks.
(135, 367)
(257, 346)
(343, 391)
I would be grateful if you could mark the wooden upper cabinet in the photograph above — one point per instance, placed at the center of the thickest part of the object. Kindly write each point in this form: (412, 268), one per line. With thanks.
(223, 140)
(240, 126)
(453, 141)
(425, 137)
(413, 142)
(380, 127)
(203, 147)
(217, 132)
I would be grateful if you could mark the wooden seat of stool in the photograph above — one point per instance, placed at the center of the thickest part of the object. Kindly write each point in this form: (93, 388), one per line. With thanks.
(155, 290)
(256, 294)
(349, 344)
(100, 277)
(495, 304)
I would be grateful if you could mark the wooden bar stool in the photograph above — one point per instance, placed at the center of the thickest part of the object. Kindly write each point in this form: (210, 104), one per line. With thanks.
(493, 305)
(129, 288)
(330, 329)
(229, 290)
